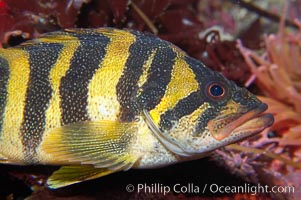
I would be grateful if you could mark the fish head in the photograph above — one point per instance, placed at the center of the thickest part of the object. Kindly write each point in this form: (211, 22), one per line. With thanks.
(222, 113)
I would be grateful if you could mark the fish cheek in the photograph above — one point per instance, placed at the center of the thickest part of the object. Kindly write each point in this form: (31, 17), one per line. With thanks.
(201, 118)
(216, 118)
(192, 132)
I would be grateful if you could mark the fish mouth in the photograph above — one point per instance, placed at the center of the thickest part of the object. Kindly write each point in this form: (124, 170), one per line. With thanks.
(246, 124)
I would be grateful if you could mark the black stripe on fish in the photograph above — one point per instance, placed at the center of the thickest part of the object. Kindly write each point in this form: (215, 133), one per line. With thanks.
(158, 78)
(184, 107)
(74, 86)
(127, 86)
(42, 57)
(4, 77)
(203, 120)
(199, 69)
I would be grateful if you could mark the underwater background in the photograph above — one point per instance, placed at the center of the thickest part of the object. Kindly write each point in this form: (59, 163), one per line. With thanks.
(255, 43)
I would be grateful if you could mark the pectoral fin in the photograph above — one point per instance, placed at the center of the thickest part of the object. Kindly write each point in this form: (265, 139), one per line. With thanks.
(103, 144)
(68, 175)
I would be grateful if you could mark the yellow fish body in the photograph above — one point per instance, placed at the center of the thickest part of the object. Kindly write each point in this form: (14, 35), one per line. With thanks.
(97, 101)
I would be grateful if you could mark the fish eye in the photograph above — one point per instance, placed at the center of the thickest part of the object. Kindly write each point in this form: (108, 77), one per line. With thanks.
(216, 90)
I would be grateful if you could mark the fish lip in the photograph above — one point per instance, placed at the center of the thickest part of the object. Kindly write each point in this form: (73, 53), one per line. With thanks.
(249, 123)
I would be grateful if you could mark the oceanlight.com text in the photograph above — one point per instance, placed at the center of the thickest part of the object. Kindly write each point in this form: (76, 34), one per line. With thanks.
(191, 188)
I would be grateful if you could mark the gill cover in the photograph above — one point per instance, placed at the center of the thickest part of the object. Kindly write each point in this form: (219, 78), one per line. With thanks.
(164, 138)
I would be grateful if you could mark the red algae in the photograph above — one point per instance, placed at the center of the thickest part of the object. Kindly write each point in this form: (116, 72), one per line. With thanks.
(274, 156)
(278, 75)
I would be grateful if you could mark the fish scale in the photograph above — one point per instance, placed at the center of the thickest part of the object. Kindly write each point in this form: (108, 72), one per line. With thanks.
(98, 101)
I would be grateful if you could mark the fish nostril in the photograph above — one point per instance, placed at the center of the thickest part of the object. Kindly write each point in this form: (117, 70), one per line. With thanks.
(241, 96)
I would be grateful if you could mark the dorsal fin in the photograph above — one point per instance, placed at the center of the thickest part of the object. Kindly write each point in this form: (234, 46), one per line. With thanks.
(53, 37)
